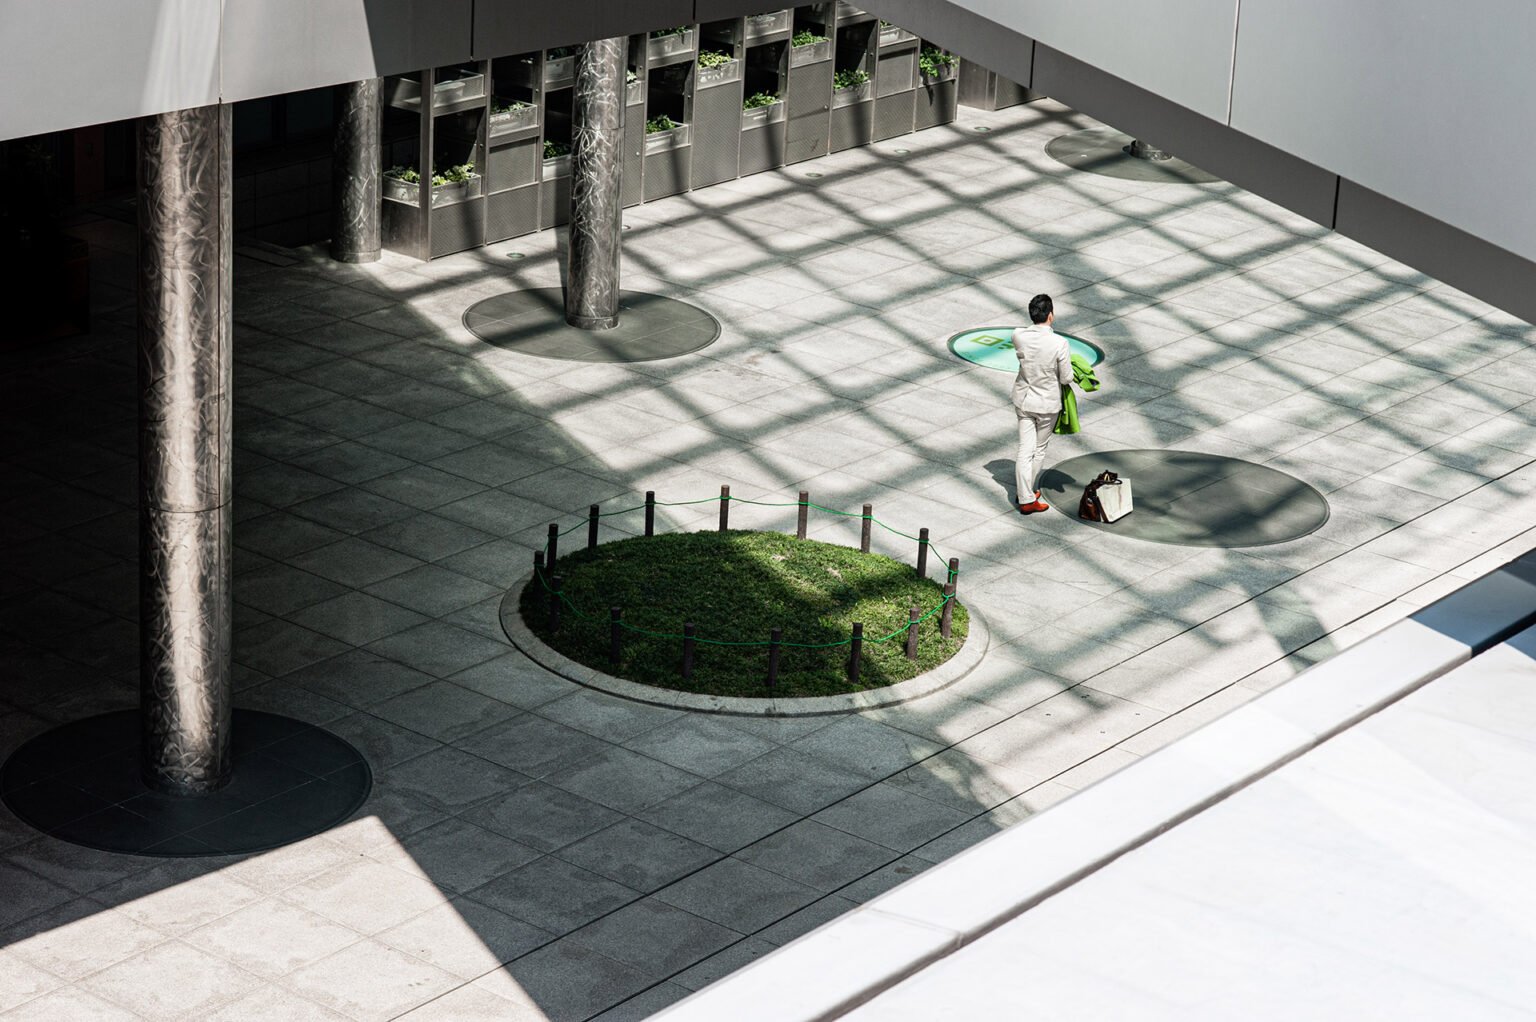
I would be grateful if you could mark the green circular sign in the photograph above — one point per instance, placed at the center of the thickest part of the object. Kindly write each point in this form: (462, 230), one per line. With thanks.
(991, 347)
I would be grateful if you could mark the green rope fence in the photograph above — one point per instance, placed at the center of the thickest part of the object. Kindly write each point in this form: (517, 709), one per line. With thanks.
(544, 561)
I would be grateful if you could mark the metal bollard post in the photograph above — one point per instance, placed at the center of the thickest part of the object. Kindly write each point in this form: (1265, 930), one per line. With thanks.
(912, 616)
(556, 597)
(869, 510)
(922, 553)
(615, 634)
(689, 631)
(552, 547)
(725, 508)
(650, 512)
(856, 653)
(954, 573)
(949, 605)
(800, 520)
(592, 515)
(538, 566)
(774, 638)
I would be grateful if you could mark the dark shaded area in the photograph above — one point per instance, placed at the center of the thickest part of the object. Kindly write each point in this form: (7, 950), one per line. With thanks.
(1194, 499)
(80, 783)
(651, 327)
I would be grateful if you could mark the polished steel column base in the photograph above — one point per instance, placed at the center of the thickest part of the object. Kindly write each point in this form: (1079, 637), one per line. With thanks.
(1145, 151)
(593, 322)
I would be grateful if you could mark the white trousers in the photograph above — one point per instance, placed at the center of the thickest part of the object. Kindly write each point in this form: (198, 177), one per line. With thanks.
(1035, 431)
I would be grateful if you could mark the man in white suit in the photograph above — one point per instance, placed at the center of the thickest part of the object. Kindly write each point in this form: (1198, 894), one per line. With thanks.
(1045, 366)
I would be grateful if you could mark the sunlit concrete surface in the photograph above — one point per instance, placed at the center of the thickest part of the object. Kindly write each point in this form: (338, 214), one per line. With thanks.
(533, 850)
(1385, 874)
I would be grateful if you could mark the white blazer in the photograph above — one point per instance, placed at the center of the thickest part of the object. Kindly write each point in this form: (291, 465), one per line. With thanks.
(1045, 366)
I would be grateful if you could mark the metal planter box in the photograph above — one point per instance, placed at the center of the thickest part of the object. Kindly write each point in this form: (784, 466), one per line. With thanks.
(719, 75)
(516, 119)
(400, 191)
(560, 166)
(665, 141)
(811, 53)
(442, 195)
(407, 91)
(560, 69)
(660, 47)
(759, 116)
(634, 93)
(891, 35)
(850, 96)
(945, 74)
(847, 11)
(760, 25)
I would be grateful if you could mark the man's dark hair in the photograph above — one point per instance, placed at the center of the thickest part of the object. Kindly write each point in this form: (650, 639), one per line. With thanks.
(1040, 308)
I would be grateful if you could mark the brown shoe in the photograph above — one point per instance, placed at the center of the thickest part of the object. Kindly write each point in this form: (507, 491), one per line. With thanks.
(1035, 508)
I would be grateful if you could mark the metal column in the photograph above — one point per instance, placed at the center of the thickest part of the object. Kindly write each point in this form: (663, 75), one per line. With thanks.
(355, 172)
(184, 448)
(597, 160)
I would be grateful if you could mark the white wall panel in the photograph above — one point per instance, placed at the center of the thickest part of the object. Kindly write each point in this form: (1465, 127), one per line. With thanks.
(67, 64)
(1179, 49)
(277, 46)
(1430, 104)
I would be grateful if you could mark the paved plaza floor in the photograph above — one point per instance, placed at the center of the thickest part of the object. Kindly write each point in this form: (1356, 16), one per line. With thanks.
(535, 850)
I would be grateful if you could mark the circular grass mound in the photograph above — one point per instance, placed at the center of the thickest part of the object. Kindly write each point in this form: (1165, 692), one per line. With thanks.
(736, 587)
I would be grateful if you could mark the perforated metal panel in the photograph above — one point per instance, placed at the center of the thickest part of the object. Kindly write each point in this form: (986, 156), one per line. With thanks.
(895, 72)
(808, 99)
(853, 126)
(666, 173)
(457, 227)
(936, 104)
(554, 202)
(1010, 93)
(632, 180)
(763, 148)
(716, 134)
(514, 165)
(403, 229)
(893, 115)
(512, 213)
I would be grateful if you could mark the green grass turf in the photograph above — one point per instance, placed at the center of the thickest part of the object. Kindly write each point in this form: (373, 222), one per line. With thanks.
(737, 586)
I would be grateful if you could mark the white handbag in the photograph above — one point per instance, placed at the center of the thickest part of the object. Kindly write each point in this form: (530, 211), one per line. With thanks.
(1115, 499)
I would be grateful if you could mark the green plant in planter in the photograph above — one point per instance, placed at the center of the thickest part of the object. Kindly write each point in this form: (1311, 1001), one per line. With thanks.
(455, 174)
(506, 106)
(410, 175)
(555, 150)
(662, 33)
(849, 79)
(805, 37)
(714, 58)
(630, 77)
(660, 123)
(934, 62)
(759, 99)
(559, 52)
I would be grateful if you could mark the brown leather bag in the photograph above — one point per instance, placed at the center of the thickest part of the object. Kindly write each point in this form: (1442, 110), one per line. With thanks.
(1089, 507)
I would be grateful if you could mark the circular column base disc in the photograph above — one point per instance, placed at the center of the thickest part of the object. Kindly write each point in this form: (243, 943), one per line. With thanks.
(81, 783)
(650, 327)
(1191, 499)
(1104, 151)
(991, 347)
